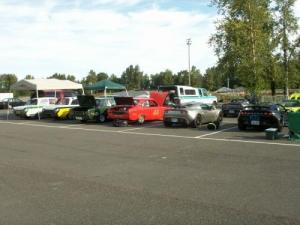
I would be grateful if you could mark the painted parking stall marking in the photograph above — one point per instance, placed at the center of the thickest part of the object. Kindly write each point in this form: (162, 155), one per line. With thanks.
(217, 132)
(202, 137)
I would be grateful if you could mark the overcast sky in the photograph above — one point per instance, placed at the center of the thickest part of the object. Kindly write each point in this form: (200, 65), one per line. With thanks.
(42, 37)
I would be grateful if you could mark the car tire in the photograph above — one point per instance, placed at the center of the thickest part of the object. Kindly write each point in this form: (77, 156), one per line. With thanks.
(141, 119)
(218, 122)
(116, 123)
(241, 126)
(167, 124)
(279, 126)
(198, 121)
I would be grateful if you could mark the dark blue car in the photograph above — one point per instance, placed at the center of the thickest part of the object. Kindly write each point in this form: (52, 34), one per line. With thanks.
(262, 116)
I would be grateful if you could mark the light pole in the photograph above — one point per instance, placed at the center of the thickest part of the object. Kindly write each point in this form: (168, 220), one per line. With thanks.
(189, 42)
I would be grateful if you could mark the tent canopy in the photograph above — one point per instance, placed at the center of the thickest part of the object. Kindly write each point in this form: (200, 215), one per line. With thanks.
(105, 84)
(45, 84)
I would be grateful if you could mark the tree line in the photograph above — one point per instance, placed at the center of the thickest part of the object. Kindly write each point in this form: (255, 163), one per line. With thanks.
(257, 44)
(132, 77)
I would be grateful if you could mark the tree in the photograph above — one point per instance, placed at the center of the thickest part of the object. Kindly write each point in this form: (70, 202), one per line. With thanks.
(116, 79)
(6, 80)
(90, 78)
(163, 78)
(71, 78)
(241, 39)
(286, 26)
(29, 77)
(102, 76)
(58, 76)
(132, 77)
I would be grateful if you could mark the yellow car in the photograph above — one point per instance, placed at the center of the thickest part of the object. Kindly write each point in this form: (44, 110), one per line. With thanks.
(295, 96)
(63, 113)
(292, 105)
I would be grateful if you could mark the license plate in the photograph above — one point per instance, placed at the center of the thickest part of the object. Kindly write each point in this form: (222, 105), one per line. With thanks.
(78, 118)
(231, 111)
(174, 120)
(255, 122)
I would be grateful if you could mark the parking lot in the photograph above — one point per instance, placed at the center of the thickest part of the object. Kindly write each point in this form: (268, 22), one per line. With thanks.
(65, 172)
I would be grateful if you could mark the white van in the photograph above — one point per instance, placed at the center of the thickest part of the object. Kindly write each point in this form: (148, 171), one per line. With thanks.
(184, 94)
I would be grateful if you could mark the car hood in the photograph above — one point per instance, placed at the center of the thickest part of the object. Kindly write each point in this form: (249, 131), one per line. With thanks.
(86, 101)
(19, 107)
(124, 100)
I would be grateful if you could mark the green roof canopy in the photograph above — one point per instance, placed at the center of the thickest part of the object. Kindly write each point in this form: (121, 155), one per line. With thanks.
(104, 85)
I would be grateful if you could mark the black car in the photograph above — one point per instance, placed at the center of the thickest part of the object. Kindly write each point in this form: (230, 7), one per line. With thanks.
(234, 107)
(11, 102)
(262, 116)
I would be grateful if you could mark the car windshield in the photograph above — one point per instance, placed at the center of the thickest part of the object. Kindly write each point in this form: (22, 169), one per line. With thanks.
(238, 100)
(32, 102)
(291, 104)
(259, 107)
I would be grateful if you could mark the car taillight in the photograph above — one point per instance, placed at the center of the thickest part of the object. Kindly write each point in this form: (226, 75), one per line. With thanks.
(267, 114)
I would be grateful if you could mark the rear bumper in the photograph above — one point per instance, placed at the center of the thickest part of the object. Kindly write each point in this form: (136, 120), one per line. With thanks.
(231, 112)
(177, 120)
(263, 122)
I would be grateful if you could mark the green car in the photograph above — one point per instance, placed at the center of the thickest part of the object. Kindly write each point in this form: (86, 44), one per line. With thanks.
(92, 109)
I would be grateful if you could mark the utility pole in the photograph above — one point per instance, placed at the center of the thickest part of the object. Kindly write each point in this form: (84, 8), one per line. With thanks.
(189, 42)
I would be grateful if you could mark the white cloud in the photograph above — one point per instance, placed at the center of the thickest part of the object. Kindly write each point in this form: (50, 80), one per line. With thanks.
(39, 40)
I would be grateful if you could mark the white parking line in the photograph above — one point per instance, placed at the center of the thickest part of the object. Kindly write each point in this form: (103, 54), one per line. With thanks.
(154, 134)
(205, 135)
(130, 129)
(251, 142)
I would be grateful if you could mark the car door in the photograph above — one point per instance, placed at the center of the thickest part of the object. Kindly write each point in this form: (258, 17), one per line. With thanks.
(206, 113)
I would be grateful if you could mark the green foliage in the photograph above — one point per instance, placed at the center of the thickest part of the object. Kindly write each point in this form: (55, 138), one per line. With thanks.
(241, 39)
(102, 76)
(162, 78)
(132, 77)
(6, 80)
(91, 78)
(286, 26)
(29, 77)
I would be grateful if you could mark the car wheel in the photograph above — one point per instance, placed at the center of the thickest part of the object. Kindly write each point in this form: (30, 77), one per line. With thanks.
(279, 126)
(141, 119)
(241, 126)
(218, 121)
(198, 121)
(116, 123)
(167, 124)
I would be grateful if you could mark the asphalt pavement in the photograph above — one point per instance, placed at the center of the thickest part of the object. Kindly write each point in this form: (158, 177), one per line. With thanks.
(68, 173)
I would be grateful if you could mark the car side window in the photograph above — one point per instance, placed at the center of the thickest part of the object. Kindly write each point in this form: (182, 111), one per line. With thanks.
(146, 104)
(181, 91)
(152, 103)
(75, 102)
(205, 107)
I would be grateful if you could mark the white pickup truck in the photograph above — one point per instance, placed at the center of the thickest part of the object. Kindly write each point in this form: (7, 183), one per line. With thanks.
(33, 107)
(180, 94)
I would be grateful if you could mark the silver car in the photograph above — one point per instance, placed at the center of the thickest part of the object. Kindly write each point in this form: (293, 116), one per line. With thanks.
(194, 115)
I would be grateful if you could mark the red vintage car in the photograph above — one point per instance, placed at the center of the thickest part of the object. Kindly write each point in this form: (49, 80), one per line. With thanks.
(139, 109)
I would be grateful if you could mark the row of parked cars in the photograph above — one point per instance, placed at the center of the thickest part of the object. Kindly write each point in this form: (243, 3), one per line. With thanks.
(122, 110)
(158, 106)
(263, 115)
